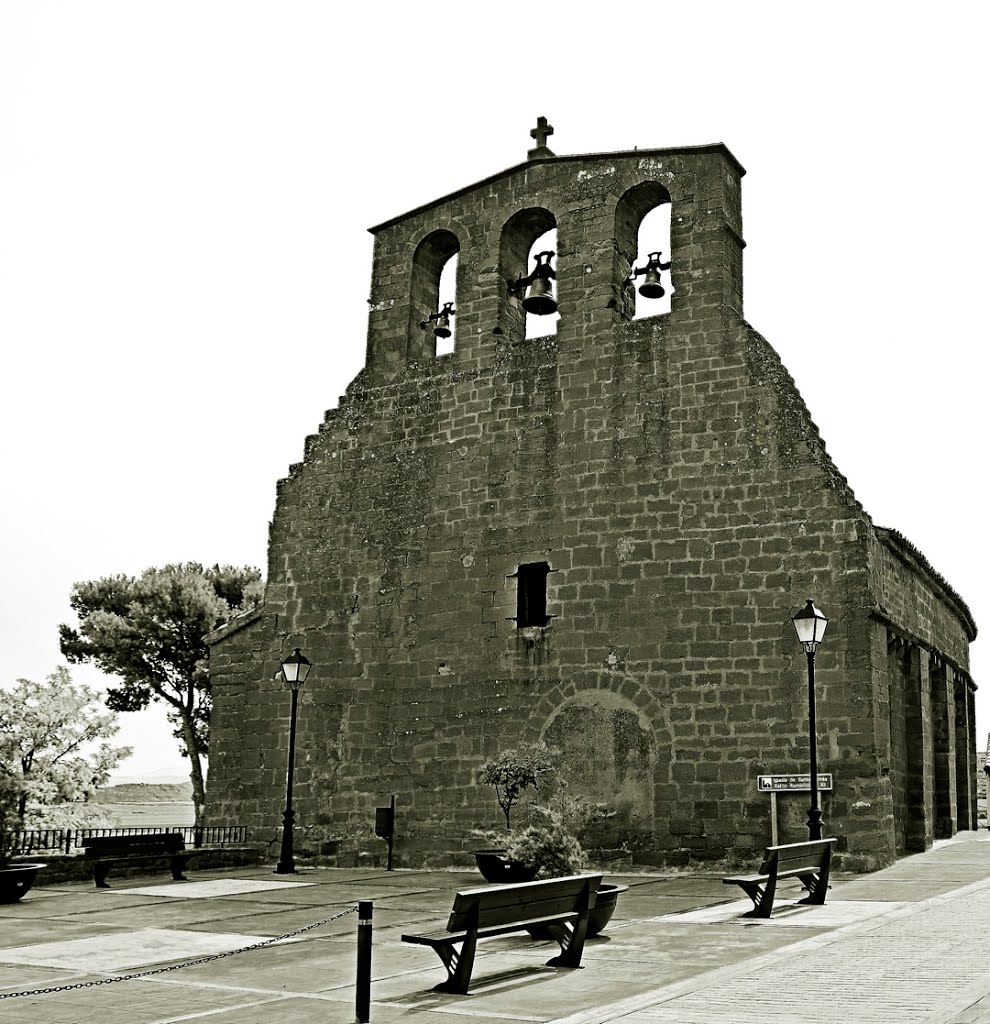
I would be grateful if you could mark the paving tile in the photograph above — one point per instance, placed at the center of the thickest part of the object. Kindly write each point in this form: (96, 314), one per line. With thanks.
(161, 913)
(908, 889)
(211, 888)
(127, 950)
(894, 946)
(131, 1002)
(788, 914)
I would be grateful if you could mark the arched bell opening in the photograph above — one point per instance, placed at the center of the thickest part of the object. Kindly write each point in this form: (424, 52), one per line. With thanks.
(433, 298)
(528, 268)
(643, 254)
(651, 283)
(540, 300)
(445, 325)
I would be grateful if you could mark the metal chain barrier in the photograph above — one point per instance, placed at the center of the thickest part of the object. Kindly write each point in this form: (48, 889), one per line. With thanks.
(177, 967)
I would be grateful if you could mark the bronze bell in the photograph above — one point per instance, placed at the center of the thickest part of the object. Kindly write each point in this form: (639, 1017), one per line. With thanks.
(651, 288)
(539, 296)
(442, 328)
(440, 320)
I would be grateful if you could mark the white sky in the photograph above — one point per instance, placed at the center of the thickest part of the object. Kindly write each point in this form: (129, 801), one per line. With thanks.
(185, 189)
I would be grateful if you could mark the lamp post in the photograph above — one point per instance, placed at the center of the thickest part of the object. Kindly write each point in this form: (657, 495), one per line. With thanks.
(810, 624)
(295, 668)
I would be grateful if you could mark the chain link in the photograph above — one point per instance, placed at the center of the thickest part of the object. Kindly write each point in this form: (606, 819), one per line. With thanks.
(176, 967)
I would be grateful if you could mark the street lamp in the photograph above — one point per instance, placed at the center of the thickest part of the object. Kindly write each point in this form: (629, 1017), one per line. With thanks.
(295, 668)
(810, 624)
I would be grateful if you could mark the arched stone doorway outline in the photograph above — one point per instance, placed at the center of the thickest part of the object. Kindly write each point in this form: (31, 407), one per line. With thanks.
(628, 695)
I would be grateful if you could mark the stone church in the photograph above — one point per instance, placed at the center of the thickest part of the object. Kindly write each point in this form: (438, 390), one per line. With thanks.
(595, 538)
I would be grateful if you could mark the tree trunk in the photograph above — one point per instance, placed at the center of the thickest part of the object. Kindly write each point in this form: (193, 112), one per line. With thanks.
(195, 768)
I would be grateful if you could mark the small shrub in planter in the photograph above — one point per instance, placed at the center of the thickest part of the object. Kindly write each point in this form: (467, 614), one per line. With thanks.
(515, 771)
(553, 851)
(547, 845)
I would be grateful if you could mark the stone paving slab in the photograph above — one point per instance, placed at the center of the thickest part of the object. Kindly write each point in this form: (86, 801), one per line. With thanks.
(977, 1013)
(143, 1003)
(787, 914)
(172, 913)
(674, 952)
(213, 887)
(331, 1011)
(910, 890)
(509, 975)
(127, 950)
(69, 901)
(658, 906)
(678, 885)
(26, 931)
(276, 922)
(913, 965)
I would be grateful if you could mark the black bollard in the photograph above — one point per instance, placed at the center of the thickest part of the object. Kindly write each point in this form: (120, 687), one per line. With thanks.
(362, 989)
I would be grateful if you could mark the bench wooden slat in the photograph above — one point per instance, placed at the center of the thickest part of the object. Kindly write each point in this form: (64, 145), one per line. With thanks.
(443, 938)
(497, 904)
(170, 841)
(800, 853)
(797, 872)
(104, 851)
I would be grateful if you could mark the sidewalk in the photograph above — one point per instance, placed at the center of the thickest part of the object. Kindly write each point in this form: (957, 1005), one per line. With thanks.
(902, 945)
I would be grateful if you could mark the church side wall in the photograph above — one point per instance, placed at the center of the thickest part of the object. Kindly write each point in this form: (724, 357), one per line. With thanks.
(921, 639)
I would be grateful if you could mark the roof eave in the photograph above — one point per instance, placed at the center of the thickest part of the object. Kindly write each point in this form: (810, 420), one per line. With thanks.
(667, 151)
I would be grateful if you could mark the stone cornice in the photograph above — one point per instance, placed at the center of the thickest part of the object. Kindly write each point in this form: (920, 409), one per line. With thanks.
(883, 616)
(915, 560)
(714, 147)
(234, 625)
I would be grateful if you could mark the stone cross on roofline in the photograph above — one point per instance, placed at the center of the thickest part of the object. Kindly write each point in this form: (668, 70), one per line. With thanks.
(539, 133)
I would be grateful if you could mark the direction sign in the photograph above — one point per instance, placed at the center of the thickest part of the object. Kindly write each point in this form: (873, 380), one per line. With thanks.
(792, 783)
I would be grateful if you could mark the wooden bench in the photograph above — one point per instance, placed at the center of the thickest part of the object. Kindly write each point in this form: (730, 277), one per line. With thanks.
(105, 851)
(560, 905)
(808, 861)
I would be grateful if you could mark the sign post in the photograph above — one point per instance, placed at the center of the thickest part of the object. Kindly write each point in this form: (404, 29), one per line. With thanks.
(385, 827)
(774, 784)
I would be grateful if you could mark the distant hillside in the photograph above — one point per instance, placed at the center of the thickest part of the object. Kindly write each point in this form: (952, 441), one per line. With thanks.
(136, 793)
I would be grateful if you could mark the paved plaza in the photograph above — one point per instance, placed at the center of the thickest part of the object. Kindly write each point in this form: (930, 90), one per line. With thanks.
(905, 945)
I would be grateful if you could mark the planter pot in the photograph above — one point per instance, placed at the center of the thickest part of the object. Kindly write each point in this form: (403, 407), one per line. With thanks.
(604, 908)
(496, 867)
(16, 879)
(601, 912)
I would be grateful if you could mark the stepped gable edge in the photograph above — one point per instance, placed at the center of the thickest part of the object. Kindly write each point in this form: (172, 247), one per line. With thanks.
(795, 422)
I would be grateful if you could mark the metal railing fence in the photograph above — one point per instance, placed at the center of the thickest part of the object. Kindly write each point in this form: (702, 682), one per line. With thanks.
(66, 840)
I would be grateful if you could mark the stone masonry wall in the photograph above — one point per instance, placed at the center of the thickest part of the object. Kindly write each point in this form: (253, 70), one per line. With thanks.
(667, 471)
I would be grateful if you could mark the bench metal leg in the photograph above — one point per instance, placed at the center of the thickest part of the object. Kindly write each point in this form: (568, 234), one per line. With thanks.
(100, 875)
(178, 862)
(817, 883)
(571, 941)
(459, 964)
(762, 897)
(571, 937)
(816, 891)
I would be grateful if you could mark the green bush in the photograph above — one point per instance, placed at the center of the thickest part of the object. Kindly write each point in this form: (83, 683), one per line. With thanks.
(549, 846)
(514, 771)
